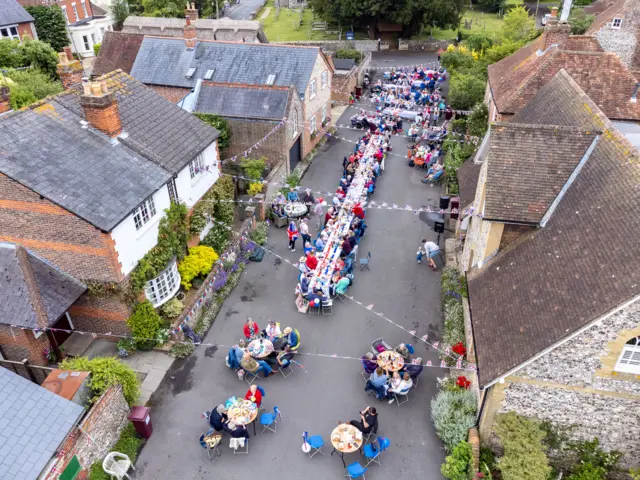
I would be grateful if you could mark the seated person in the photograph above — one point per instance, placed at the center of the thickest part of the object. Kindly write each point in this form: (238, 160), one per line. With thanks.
(272, 330)
(378, 383)
(292, 196)
(291, 337)
(236, 431)
(346, 247)
(340, 193)
(253, 366)
(235, 355)
(254, 394)
(312, 261)
(316, 298)
(368, 421)
(277, 207)
(336, 202)
(434, 177)
(250, 329)
(369, 362)
(308, 198)
(414, 368)
(358, 211)
(320, 242)
(329, 215)
(340, 287)
(352, 239)
(284, 358)
(403, 350)
(308, 247)
(399, 385)
(218, 417)
(304, 283)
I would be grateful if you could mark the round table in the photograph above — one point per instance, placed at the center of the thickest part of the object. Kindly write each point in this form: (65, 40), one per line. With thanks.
(295, 209)
(346, 438)
(390, 361)
(243, 413)
(260, 348)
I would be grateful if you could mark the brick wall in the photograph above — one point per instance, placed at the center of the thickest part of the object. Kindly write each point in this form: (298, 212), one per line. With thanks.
(343, 85)
(98, 432)
(335, 45)
(313, 106)
(101, 314)
(17, 344)
(173, 94)
(28, 30)
(245, 133)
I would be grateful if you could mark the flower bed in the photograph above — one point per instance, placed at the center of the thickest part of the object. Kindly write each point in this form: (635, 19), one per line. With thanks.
(454, 288)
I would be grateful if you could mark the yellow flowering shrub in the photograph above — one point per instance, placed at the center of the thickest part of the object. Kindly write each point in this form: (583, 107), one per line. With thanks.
(199, 262)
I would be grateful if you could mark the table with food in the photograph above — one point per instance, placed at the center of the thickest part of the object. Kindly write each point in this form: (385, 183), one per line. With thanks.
(295, 209)
(242, 412)
(390, 361)
(260, 348)
(346, 438)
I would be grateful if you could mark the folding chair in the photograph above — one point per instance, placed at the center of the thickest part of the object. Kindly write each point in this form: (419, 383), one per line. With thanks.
(236, 443)
(315, 443)
(327, 307)
(211, 443)
(282, 369)
(318, 306)
(373, 456)
(364, 262)
(404, 393)
(355, 470)
(268, 420)
(250, 377)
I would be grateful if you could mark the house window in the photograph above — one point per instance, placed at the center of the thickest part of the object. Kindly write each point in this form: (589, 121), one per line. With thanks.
(75, 13)
(616, 23)
(66, 15)
(324, 112)
(85, 40)
(9, 32)
(324, 79)
(164, 286)
(312, 89)
(271, 79)
(196, 166)
(629, 361)
(312, 124)
(84, 9)
(145, 212)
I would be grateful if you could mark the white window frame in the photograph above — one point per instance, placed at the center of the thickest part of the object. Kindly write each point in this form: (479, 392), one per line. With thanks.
(324, 79)
(7, 29)
(66, 15)
(312, 125)
(144, 213)
(617, 20)
(196, 167)
(313, 89)
(629, 359)
(84, 8)
(161, 289)
(85, 41)
(75, 12)
(324, 112)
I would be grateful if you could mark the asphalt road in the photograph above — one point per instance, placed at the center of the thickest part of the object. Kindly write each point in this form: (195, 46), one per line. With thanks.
(327, 389)
(242, 10)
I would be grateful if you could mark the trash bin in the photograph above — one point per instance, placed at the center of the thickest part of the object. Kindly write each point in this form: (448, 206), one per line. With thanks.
(455, 207)
(444, 202)
(141, 420)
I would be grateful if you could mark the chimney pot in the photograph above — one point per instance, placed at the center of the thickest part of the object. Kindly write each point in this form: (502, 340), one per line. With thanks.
(69, 53)
(554, 11)
(96, 91)
(193, 6)
(86, 86)
(103, 86)
(188, 21)
(63, 59)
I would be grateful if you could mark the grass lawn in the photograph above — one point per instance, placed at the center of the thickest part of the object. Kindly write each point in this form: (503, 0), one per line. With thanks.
(285, 29)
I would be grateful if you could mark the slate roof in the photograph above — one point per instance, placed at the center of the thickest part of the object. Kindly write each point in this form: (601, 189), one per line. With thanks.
(33, 424)
(601, 75)
(467, 176)
(243, 101)
(35, 293)
(156, 128)
(11, 12)
(528, 166)
(118, 51)
(344, 63)
(166, 61)
(581, 265)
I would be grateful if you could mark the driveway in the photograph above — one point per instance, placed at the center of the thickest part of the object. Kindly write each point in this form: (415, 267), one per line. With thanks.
(315, 398)
(243, 9)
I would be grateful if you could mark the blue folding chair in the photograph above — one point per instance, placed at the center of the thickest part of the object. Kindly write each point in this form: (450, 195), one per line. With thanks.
(373, 452)
(268, 420)
(355, 470)
(364, 262)
(315, 443)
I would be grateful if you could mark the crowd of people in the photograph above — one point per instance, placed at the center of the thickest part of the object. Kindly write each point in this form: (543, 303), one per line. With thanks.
(219, 419)
(410, 88)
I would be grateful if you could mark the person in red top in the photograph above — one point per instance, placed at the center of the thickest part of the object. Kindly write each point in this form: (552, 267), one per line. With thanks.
(340, 193)
(358, 211)
(251, 329)
(312, 261)
(254, 395)
(329, 215)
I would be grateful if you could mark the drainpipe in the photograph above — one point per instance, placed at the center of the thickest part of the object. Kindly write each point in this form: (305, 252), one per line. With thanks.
(634, 98)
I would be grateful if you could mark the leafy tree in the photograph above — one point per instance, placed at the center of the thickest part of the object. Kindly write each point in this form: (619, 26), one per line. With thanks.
(144, 323)
(518, 25)
(50, 25)
(445, 14)
(119, 13)
(28, 86)
(253, 168)
(220, 124)
(163, 8)
(498, 52)
(465, 91)
(32, 53)
(580, 21)
(457, 465)
(477, 121)
(494, 5)
(478, 42)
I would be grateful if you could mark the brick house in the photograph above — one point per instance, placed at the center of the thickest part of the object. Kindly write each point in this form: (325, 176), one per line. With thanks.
(86, 24)
(252, 112)
(345, 79)
(85, 177)
(553, 271)
(15, 21)
(516, 79)
(172, 67)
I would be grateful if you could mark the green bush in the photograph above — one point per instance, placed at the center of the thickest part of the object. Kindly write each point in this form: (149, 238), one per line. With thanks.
(292, 180)
(453, 324)
(50, 25)
(465, 91)
(589, 452)
(453, 414)
(105, 372)
(219, 124)
(588, 471)
(144, 323)
(96, 48)
(173, 308)
(259, 234)
(478, 120)
(217, 238)
(129, 444)
(580, 21)
(182, 350)
(457, 466)
(216, 203)
(126, 344)
(349, 53)
(524, 454)
(29, 86)
(457, 60)
(253, 168)
(198, 263)
(478, 42)
(34, 53)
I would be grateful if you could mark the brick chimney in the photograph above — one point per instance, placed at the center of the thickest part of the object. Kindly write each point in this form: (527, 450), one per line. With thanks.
(101, 108)
(555, 32)
(5, 103)
(69, 53)
(191, 12)
(190, 34)
(69, 71)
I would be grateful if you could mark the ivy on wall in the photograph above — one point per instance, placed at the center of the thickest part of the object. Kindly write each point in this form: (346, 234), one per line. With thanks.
(215, 203)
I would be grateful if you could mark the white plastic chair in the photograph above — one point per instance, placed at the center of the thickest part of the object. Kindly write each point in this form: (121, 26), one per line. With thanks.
(403, 393)
(117, 465)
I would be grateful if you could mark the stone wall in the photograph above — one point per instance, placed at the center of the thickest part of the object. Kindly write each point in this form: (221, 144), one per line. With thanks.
(335, 45)
(424, 45)
(313, 106)
(245, 133)
(622, 41)
(575, 386)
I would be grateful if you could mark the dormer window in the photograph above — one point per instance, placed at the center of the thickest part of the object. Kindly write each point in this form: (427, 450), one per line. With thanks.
(190, 73)
(616, 23)
(209, 74)
(271, 79)
(629, 360)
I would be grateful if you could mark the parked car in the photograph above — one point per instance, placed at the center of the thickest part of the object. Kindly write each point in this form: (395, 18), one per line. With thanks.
(545, 19)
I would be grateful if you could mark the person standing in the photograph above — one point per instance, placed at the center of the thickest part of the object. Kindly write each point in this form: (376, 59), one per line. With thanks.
(292, 233)
(304, 231)
(318, 211)
(430, 249)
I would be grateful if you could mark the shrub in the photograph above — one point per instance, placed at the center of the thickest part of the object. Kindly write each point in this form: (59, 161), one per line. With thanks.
(219, 124)
(349, 53)
(457, 466)
(29, 86)
(34, 53)
(478, 42)
(580, 21)
(105, 372)
(453, 414)
(172, 308)
(129, 444)
(198, 263)
(255, 188)
(182, 350)
(253, 168)
(466, 90)
(144, 323)
(478, 120)
(457, 60)
(292, 180)
(259, 234)
(96, 48)
(127, 345)
(518, 25)
(50, 25)
(524, 455)
(588, 471)
(217, 238)
(453, 324)
(590, 452)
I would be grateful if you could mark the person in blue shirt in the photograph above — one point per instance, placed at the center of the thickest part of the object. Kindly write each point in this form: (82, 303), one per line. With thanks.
(292, 196)
(291, 337)
(378, 383)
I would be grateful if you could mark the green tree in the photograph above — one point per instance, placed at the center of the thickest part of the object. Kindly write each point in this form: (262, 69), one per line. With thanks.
(163, 8)
(518, 25)
(478, 120)
(32, 53)
(12, 54)
(144, 323)
(494, 5)
(28, 86)
(465, 91)
(220, 124)
(119, 13)
(580, 21)
(50, 25)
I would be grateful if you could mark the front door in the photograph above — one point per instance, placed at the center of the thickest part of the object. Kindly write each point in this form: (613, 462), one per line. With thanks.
(294, 154)
(63, 323)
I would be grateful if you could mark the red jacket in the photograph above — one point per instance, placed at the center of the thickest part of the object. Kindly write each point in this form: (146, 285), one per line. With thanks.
(250, 329)
(312, 262)
(358, 211)
(257, 396)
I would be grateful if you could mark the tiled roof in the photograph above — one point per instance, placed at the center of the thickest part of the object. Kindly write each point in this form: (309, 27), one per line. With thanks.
(33, 424)
(602, 75)
(600, 6)
(603, 15)
(156, 128)
(166, 61)
(35, 293)
(528, 166)
(467, 176)
(344, 63)
(11, 12)
(581, 265)
(243, 101)
(98, 11)
(118, 51)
